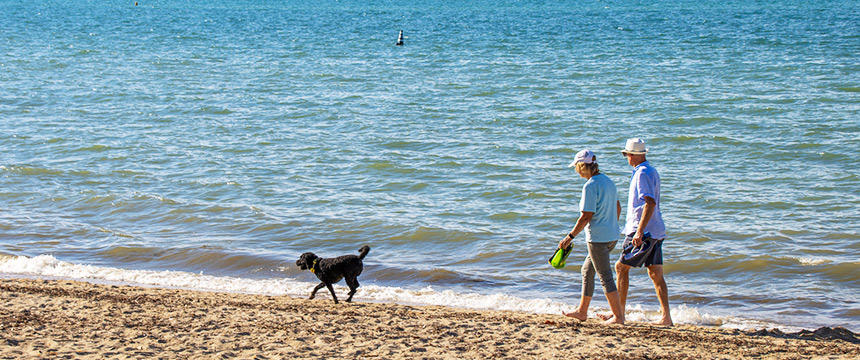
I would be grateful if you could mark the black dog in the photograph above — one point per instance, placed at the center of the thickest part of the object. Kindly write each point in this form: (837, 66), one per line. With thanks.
(330, 271)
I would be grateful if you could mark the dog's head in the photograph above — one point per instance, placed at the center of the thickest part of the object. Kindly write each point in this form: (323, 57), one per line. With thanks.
(306, 261)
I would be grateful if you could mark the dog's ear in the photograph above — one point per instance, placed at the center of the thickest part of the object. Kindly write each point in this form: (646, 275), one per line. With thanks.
(305, 261)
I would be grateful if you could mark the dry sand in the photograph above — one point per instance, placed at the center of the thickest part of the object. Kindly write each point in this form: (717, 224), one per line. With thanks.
(65, 319)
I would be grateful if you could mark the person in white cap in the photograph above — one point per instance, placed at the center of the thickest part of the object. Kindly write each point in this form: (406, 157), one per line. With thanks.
(599, 211)
(644, 216)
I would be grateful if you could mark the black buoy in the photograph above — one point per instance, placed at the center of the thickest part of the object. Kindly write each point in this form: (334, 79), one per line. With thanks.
(400, 39)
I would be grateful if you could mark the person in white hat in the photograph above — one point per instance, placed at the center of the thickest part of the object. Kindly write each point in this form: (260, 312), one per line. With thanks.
(599, 211)
(644, 216)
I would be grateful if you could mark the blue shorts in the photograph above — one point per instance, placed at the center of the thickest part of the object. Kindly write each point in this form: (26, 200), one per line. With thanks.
(656, 256)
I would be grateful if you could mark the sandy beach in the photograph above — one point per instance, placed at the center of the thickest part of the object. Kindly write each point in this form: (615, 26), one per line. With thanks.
(68, 319)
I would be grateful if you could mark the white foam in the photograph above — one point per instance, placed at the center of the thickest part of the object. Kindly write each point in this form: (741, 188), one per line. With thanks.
(48, 266)
(811, 261)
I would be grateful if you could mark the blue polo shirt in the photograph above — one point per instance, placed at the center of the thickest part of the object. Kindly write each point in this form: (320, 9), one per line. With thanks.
(644, 182)
(600, 196)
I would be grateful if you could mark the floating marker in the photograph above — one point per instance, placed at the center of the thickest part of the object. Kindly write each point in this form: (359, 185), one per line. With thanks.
(400, 39)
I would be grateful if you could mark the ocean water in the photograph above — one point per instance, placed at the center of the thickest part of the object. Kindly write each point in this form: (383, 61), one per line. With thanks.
(206, 145)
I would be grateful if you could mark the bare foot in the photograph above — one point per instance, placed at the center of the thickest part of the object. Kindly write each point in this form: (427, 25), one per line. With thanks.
(604, 316)
(610, 320)
(576, 315)
(667, 321)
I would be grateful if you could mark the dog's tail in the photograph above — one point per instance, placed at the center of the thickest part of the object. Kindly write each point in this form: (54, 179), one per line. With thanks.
(363, 251)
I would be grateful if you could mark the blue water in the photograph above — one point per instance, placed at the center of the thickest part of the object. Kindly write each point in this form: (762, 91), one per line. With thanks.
(228, 137)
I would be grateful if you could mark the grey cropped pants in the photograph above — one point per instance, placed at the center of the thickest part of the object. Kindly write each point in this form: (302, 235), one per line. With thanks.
(598, 261)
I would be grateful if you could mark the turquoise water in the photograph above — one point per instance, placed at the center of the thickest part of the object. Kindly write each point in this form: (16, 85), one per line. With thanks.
(226, 138)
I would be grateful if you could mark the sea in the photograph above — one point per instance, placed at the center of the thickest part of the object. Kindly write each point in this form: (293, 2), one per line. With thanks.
(207, 144)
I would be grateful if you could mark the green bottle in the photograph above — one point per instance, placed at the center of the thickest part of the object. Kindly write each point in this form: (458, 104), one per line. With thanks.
(560, 257)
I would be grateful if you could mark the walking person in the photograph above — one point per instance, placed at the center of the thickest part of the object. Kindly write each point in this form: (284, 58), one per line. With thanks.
(599, 211)
(644, 216)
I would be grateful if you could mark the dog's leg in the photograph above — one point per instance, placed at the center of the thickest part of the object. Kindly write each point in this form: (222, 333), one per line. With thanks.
(314, 293)
(331, 289)
(353, 285)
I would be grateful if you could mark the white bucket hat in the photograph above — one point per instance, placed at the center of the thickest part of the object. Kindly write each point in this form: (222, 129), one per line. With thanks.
(584, 156)
(635, 146)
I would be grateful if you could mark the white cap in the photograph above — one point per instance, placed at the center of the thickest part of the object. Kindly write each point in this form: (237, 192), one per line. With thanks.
(584, 156)
(635, 146)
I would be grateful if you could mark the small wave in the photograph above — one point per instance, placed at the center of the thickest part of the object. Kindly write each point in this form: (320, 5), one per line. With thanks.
(746, 205)
(509, 215)
(407, 186)
(29, 170)
(115, 233)
(159, 198)
(777, 266)
(537, 195)
(848, 272)
(825, 100)
(197, 259)
(449, 163)
(841, 236)
(425, 234)
(216, 183)
(94, 148)
(130, 252)
(239, 151)
(86, 52)
(700, 120)
(527, 151)
(388, 166)
(409, 145)
(512, 193)
(434, 276)
(214, 110)
(711, 264)
(849, 88)
(811, 261)
(99, 199)
(484, 93)
(497, 168)
(128, 173)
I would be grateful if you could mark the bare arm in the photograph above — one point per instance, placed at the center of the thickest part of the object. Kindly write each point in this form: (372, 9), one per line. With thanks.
(618, 204)
(647, 212)
(584, 218)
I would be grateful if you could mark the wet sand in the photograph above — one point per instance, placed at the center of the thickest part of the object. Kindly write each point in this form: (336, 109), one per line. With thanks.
(68, 319)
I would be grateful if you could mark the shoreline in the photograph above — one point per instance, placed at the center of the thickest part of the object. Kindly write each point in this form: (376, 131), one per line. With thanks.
(45, 267)
(64, 318)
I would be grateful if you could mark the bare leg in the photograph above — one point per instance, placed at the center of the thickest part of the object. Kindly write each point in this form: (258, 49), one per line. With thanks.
(656, 274)
(614, 304)
(587, 271)
(581, 312)
(623, 283)
(622, 272)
